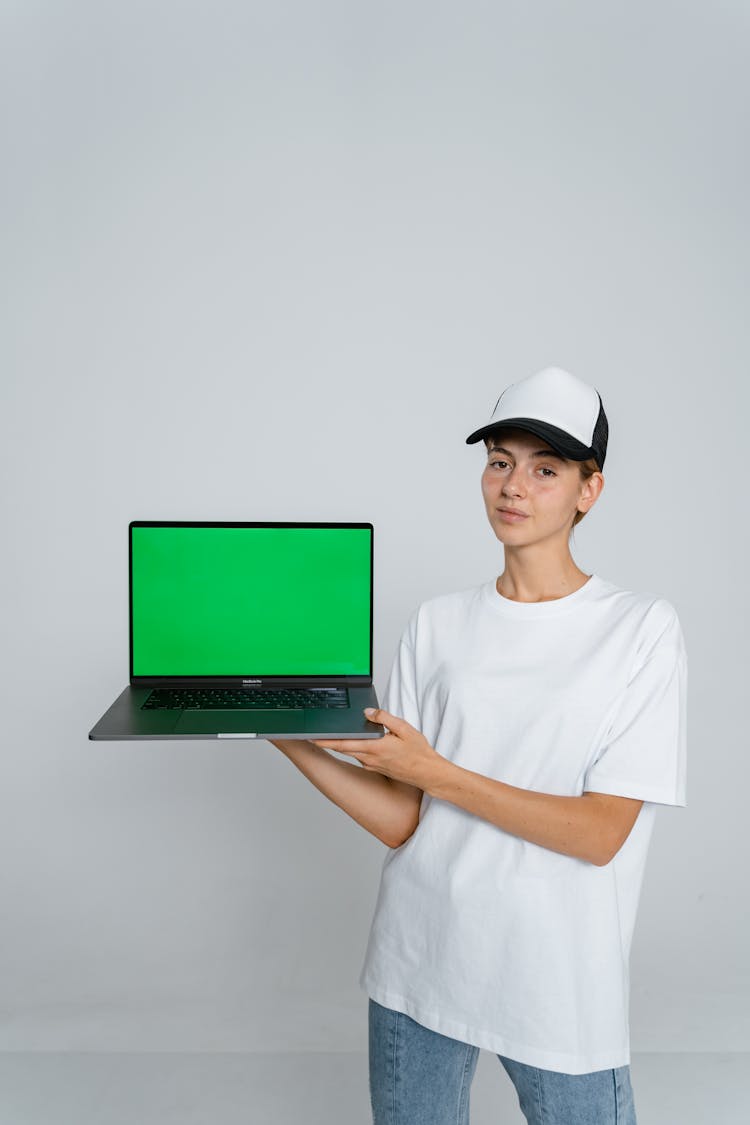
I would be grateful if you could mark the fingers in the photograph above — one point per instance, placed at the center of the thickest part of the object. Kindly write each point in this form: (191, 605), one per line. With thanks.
(395, 724)
(344, 746)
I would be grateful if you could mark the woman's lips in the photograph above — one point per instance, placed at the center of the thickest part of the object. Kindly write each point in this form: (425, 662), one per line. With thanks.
(511, 516)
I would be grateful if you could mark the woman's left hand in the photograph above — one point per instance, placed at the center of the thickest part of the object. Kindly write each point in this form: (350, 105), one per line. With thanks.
(403, 754)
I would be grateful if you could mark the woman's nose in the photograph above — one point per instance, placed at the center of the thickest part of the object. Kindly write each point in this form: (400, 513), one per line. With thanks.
(513, 481)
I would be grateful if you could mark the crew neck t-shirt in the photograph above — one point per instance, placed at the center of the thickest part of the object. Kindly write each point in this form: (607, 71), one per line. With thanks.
(484, 936)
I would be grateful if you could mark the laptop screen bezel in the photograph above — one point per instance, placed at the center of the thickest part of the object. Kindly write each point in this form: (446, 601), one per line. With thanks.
(250, 680)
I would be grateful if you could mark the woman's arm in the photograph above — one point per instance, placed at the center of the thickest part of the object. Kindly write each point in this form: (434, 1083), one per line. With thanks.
(383, 807)
(593, 826)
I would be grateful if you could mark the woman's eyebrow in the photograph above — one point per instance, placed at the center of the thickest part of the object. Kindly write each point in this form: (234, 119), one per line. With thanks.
(539, 452)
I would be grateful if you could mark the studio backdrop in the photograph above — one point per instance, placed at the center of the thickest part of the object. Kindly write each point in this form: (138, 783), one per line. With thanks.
(275, 262)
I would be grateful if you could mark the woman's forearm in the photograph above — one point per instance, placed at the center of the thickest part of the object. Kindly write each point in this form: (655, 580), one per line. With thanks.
(571, 825)
(368, 797)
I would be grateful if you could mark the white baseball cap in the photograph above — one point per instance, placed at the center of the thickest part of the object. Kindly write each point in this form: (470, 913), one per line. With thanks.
(557, 406)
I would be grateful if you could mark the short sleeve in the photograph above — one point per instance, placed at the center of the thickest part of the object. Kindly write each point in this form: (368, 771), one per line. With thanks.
(644, 751)
(400, 695)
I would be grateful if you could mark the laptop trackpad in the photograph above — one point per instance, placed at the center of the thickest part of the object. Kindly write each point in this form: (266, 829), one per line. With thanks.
(240, 722)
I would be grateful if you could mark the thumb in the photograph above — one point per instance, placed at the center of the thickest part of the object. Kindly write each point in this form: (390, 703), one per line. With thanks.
(378, 715)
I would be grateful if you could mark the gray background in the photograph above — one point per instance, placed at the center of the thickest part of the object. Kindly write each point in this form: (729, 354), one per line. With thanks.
(276, 261)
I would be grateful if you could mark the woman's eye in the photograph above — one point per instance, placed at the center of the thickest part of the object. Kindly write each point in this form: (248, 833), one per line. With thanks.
(543, 468)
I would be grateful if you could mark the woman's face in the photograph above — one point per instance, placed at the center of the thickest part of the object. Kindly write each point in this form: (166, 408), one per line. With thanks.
(525, 473)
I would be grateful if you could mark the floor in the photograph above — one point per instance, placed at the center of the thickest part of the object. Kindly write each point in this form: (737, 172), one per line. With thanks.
(45, 1088)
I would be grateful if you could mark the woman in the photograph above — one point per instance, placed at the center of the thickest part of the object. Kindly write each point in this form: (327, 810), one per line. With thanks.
(535, 722)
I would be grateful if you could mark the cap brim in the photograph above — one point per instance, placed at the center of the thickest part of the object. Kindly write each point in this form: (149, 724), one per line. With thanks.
(561, 441)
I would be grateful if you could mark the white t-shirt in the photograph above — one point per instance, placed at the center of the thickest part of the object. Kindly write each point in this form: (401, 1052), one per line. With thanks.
(481, 935)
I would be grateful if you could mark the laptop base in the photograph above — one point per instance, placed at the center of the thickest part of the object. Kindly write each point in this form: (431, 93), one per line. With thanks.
(125, 720)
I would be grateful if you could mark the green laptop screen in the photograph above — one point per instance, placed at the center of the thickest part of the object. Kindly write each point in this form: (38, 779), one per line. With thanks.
(251, 601)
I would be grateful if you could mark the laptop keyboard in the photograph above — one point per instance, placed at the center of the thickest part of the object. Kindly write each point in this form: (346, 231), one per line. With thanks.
(244, 699)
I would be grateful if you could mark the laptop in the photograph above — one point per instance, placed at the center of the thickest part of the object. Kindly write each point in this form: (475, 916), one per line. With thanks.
(247, 630)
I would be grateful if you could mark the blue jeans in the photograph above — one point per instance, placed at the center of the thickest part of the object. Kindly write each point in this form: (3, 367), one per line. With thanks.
(419, 1077)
